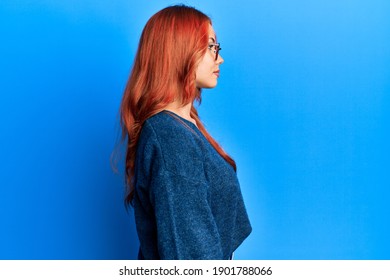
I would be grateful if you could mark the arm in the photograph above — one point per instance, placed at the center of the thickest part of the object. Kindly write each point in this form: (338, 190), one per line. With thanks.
(185, 224)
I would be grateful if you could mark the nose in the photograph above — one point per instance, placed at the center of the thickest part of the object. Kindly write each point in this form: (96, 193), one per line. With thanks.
(220, 60)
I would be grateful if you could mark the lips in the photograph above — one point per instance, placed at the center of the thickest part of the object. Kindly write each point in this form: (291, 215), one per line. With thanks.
(216, 73)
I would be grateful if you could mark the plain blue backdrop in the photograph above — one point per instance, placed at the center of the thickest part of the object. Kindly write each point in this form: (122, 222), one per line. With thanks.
(302, 105)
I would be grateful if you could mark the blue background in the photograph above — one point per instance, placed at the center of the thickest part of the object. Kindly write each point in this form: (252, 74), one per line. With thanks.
(302, 105)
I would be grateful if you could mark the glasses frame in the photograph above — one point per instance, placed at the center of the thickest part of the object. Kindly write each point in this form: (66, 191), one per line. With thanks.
(217, 47)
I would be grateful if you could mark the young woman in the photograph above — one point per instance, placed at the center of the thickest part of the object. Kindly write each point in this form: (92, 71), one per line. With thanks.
(181, 183)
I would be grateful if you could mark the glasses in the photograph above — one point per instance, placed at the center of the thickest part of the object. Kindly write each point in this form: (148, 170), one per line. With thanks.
(215, 48)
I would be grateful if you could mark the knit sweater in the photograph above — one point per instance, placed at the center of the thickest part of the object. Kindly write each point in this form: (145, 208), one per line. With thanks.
(187, 203)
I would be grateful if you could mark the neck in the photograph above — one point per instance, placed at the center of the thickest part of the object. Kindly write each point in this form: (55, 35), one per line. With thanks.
(182, 111)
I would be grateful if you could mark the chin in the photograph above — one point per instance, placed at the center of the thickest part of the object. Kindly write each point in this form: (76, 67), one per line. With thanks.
(211, 84)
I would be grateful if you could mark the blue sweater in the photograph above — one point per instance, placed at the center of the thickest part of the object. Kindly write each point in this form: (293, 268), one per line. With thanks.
(188, 202)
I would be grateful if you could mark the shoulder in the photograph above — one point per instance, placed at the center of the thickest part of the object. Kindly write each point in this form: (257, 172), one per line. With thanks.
(176, 143)
(165, 125)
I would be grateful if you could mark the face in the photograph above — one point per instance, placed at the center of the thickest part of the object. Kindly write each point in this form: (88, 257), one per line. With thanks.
(207, 72)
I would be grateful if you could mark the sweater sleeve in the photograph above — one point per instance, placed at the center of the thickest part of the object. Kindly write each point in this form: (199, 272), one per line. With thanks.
(186, 228)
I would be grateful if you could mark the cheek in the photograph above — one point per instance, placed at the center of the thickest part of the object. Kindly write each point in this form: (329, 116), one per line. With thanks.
(204, 73)
(200, 71)
(205, 68)
(207, 62)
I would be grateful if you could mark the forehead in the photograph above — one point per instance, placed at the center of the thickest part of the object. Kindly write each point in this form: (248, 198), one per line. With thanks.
(212, 33)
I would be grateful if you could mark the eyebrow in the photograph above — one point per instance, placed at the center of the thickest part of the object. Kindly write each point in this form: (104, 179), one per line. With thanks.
(212, 39)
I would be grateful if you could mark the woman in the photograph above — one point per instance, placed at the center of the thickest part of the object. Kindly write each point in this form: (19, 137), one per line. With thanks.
(182, 185)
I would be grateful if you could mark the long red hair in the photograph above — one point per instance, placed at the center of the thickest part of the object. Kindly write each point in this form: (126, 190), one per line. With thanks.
(171, 45)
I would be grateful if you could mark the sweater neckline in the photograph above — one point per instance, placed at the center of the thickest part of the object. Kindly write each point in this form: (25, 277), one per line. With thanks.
(173, 114)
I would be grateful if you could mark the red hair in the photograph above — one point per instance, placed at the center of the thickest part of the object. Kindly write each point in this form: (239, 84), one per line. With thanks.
(172, 43)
